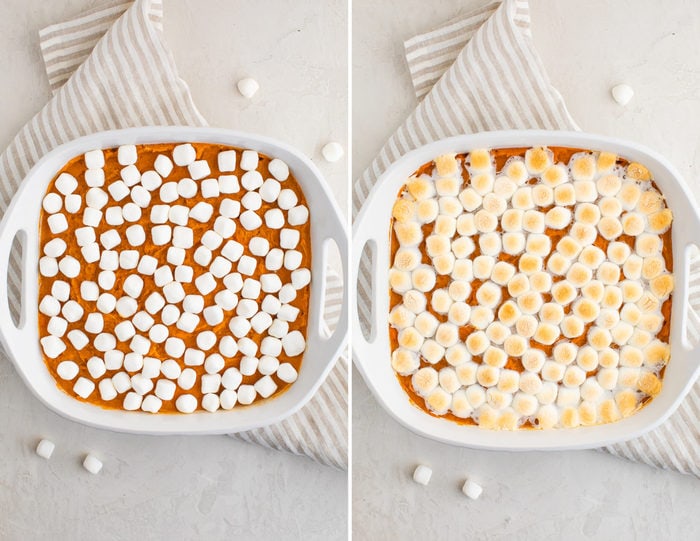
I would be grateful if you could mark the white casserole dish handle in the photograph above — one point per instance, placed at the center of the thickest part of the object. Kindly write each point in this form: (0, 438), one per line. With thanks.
(21, 224)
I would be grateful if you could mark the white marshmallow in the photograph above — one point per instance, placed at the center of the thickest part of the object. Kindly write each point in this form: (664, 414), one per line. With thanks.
(260, 322)
(45, 449)
(228, 184)
(173, 292)
(213, 364)
(66, 183)
(109, 260)
(268, 365)
(247, 264)
(168, 192)
(118, 190)
(136, 235)
(184, 274)
(96, 198)
(85, 236)
(232, 250)
(52, 203)
(107, 390)
(113, 359)
(67, 370)
(109, 239)
(251, 180)
(332, 151)
(73, 203)
(211, 240)
(96, 367)
(94, 324)
(58, 223)
(249, 366)
(94, 159)
(228, 347)
(83, 387)
(271, 305)
(140, 196)
(92, 464)
(287, 294)
(471, 489)
(187, 322)
(422, 474)
(287, 199)
(622, 93)
(175, 256)
(201, 212)
(213, 315)
(298, 215)
(94, 177)
(202, 255)
(121, 382)
(174, 347)
(57, 326)
(186, 379)
(226, 300)
(126, 154)
(126, 306)
(294, 344)
(205, 283)
(224, 226)
(154, 303)
(274, 259)
(229, 208)
(199, 169)
(278, 329)
(232, 378)
(292, 259)
(271, 283)
(178, 214)
(72, 311)
(226, 160)
(248, 87)
(251, 201)
(210, 188)
(48, 266)
(170, 369)
(60, 290)
(289, 239)
(105, 342)
(131, 212)
(163, 165)
(165, 390)
(184, 154)
(78, 339)
(287, 373)
(142, 321)
(91, 252)
(140, 344)
(186, 403)
(278, 169)
(193, 304)
(274, 219)
(233, 282)
(49, 306)
(270, 190)
(128, 259)
(247, 308)
(151, 404)
(151, 180)
(250, 221)
(249, 160)
(265, 386)
(161, 234)
(158, 333)
(251, 289)
(133, 362)
(246, 394)
(130, 175)
(159, 214)
(106, 303)
(69, 266)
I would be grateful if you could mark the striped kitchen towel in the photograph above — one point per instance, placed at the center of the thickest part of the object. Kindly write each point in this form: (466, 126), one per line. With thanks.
(109, 68)
(482, 73)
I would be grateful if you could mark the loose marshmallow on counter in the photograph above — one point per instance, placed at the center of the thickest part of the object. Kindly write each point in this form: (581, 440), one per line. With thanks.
(92, 464)
(332, 151)
(622, 93)
(45, 448)
(471, 489)
(278, 169)
(247, 87)
(422, 474)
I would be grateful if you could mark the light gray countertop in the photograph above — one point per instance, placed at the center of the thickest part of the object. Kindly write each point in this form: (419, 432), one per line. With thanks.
(587, 47)
(182, 487)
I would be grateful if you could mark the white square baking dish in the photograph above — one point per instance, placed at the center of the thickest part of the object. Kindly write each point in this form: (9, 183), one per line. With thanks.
(372, 355)
(21, 342)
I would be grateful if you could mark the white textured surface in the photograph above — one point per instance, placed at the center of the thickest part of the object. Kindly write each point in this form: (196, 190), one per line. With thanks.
(576, 495)
(168, 487)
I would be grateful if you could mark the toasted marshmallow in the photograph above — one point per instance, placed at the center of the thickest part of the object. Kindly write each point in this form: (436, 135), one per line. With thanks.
(659, 222)
(497, 332)
(459, 290)
(648, 302)
(448, 380)
(424, 381)
(490, 244)
(529, 263)
(457, 355)
(587, 360)
(585, 234)
(586, 310)
(477, 342)
(426, 324)
(607, 378)
(515, 345)
(447, 334)
(447, 186)
(662, 286)
(423, 278)
(526, 325)
(485, 222)
(610, 228)
(483, 183)
(594, 290)
(414, 301)
(406, 259)
(647, 245)
(538, 244)
(512, 220)
(487, 376)
(540, 282)
(470, 199)
(632, 268)
(445, 226)
(565, 353)
(610, 206)
(652, 267)
(513, 243)
(586, 191)
(495, 204)
(553, 371)
(404, 362)
(504, 187)
(569, 247)
(518, 284)
(462, 247)
(551, 313)
(633, 223)
(599, 338)
(450, 206)
(557, 264)
(437, 245)
(557, 218)
(508, 313)
(522, 198)
(516, 170)
(587, 213)
(399, 281)
(621, 333)
(462, 270)
(538, 159)
(533, 360)
(446, 164)
(533, 221)
(547, 417)
(460, 405)
(432, 351)
(572, 326)
(546, 333)
(579, 275)
(409, 234)
(650, 202)
(440, 301)
(530, 302)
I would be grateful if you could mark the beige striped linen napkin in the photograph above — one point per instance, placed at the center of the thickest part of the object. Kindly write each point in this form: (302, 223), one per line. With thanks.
(482, 73)
(109, 68)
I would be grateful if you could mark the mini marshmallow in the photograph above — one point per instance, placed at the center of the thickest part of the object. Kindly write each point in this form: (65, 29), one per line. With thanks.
(151, 404)
(287, 373)
(48, 266)
(224, 227)
(66, 183)
(45, 448)
(251, 289)
(265, 386)
(92, 464)
(250, 220)
(109, 239)
(246, 308)
(136, 235)
(106, 303)
(248, 366)
(251, 201)
(205, 283)
(188, 322)
(121, 382)
(271, 305)
(49, 306)
(287, 294)
(332, 151)
(94, 177)
(471, 489)
(161, 234)
(91, 252)
(57, 326)
(184, 154)
(151, 180)
(202, 255)
(165, 390)
(246, 394)
(233, 282)
(247, 264)
(168, 192)
(67, 370)
(52, 203)
(131, 175)
(142, 321)
(298, 215)
(69, 266)
(287, 199)
(228, 346)
(83, 387)
(209, 188)
(105, 342)
(94, 324)
(271, 283)
(107, 390)
(126, 306)
(213, 315)
(96, 198)
(294, 344)
(292, 259)
(270, 190)
(96, 367)
(175, 256)
(211, 240)
(158, 333)
(58, 223)
(251, 180)
(118, 190)
(154, 303)
(85, 236)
